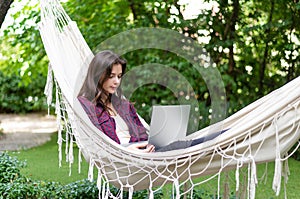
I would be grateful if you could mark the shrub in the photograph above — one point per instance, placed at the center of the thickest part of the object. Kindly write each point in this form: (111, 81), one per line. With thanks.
(14, 185)
(15, 97)
(9, 168)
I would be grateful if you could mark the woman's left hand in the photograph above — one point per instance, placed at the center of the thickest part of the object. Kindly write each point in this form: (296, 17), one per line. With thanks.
(143, 147)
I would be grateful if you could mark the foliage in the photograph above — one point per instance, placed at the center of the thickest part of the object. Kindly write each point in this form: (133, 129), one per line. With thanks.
(15, 97)
(14, 185)
(23, 62)
(254, 44)
(9, 168)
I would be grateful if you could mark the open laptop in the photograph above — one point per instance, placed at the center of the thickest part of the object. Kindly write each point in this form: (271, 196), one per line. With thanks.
(168, 124)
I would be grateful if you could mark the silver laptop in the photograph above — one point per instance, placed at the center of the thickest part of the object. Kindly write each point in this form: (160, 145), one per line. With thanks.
(168, 124)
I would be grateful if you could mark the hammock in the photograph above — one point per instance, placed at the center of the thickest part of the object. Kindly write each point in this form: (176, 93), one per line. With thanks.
(263, 131)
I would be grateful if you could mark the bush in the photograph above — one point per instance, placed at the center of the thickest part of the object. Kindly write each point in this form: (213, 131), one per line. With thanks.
(14, 185)
(9, 168)
(15, 97)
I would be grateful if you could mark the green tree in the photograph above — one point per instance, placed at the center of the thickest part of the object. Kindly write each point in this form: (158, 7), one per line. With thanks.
(23, 61)
(255, 44)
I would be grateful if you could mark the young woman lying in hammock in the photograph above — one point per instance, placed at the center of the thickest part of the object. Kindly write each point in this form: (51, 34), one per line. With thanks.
(101, 98)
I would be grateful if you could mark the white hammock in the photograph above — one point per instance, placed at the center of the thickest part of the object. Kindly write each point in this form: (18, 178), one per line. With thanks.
(261, 132)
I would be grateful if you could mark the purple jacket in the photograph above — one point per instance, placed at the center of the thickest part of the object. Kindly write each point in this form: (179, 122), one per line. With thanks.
(104, 122)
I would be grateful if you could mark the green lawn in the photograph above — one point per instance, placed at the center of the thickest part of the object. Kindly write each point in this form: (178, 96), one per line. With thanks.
(264, 188)
(42, 164)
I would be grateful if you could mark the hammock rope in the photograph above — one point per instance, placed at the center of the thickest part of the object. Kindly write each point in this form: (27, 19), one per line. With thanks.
(263, 131)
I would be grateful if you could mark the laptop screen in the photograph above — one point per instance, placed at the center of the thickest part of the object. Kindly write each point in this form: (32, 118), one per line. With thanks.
(168, 124)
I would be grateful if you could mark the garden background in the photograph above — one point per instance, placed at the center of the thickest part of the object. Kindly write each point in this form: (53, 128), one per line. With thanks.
(255, 45)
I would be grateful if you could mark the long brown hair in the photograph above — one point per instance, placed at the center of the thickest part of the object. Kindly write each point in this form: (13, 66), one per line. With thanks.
(99, 71)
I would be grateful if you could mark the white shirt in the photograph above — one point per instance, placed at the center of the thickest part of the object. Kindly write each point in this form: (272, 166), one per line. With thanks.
(122, 130)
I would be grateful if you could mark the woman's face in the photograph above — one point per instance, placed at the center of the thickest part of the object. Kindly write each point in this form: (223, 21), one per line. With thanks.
(114, 80)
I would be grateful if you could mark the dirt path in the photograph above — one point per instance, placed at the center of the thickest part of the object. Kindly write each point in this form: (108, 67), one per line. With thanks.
(20, 132)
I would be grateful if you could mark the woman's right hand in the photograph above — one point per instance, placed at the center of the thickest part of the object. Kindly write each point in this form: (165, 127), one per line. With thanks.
(142, 147)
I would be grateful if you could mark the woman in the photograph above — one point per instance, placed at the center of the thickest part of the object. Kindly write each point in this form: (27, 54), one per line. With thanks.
(101, 98)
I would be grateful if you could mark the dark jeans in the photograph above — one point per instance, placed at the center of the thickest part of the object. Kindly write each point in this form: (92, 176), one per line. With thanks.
(182, 144)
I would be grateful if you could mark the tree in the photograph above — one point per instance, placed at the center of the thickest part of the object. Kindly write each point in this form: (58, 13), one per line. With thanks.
(4, 7)
(255, 44)
(23, 62)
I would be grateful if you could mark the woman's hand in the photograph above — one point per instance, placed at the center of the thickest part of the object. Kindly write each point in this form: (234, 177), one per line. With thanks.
(142, 147)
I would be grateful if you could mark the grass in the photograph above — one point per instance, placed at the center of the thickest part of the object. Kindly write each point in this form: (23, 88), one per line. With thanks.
(42, 164)
(264, 188)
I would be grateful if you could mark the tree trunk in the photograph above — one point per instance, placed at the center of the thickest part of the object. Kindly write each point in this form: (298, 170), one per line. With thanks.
(292, 63)
(233, 21)
(4, 6)
(133, 9)
(266, 53)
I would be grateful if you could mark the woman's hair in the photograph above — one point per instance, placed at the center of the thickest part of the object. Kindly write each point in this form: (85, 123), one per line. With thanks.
(99, 71)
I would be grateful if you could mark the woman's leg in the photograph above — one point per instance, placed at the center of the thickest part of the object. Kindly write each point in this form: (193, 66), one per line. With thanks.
(175, 145)
(207, 138)
(188, 143)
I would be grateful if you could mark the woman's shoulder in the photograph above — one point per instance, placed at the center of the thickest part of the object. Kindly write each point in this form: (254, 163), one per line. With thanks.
(88, 105)
(93, 110)
(84, 101)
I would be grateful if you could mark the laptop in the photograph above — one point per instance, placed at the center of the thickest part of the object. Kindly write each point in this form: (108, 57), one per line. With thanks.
(168, 124)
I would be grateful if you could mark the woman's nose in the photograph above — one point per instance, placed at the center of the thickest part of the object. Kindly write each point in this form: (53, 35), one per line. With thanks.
(117, 80)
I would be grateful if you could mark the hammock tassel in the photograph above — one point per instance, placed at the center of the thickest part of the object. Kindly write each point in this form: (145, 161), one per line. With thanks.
(49, 87)
(277, 176)
(253, 179)
(104, 191)
(130, 191)
(151, 194)
(286, 174)
(278, 163)
(176, 186)
(107, 191)
(121, 191)
(99, 183)
(286, 171)
(70, 155)
(91, 170)
(58, 124)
